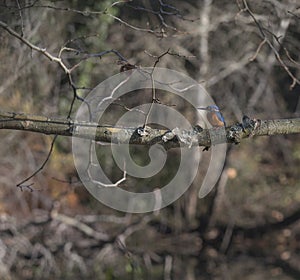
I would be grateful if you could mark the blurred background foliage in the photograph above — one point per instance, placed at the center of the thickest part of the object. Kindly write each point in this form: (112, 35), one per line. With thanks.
(248, 227)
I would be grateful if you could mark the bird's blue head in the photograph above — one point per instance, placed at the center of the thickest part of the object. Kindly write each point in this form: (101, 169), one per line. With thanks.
(213, 108)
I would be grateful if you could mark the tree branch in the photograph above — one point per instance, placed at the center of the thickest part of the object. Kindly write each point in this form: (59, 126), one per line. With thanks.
(146, 135)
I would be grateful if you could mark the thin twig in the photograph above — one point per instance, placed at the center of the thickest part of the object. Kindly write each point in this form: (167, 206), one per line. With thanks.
(154, 98)
(258, 50)
(276, 53)
(20, 185)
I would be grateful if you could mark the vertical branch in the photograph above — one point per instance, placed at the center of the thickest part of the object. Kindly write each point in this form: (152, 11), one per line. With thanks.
(204, 36)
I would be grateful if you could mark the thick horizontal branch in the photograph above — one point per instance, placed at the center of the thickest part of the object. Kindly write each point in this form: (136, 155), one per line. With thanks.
(146, 135)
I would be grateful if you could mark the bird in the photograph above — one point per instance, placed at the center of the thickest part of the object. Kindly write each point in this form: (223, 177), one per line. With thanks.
(214, 116)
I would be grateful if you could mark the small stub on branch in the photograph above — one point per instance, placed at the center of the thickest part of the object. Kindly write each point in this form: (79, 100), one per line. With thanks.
(243, 130)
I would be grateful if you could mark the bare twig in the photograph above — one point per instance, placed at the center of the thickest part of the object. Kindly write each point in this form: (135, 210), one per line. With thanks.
(154, 98)
(258, 50)
(21, 184)
(265, 38)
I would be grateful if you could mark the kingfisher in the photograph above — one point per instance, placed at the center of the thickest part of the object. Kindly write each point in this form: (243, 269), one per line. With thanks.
(214, 116)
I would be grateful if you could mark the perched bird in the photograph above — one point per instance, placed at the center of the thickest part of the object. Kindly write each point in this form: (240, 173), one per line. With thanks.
(214, 116)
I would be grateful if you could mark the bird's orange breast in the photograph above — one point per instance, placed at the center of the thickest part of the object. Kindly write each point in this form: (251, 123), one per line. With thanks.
(214, 120)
